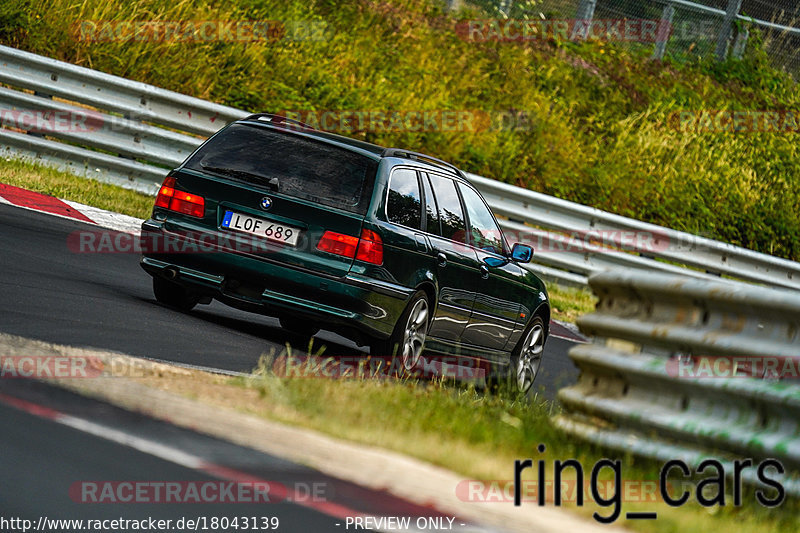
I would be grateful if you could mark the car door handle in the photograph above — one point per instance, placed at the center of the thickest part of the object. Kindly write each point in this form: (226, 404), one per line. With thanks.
(484, 272)
(421, 243)
(442, 260)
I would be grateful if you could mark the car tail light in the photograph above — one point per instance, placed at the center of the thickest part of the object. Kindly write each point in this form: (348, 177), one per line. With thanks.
(338, 243)
(180, 201)
(165, 193)
(368, 248)
(189, 204)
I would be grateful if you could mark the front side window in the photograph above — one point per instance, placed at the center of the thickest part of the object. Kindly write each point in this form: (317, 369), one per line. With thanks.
(404, 204)
(451, 216)
(483, 229)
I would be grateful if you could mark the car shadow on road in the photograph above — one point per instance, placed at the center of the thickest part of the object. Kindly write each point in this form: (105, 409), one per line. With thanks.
(269, 332)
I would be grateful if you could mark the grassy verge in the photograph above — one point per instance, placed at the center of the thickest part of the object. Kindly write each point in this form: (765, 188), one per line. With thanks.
(568, 303)
(474, 434)
(47, 180)
(593, 122)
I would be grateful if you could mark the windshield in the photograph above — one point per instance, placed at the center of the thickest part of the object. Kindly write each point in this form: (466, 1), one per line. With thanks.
(290, 165)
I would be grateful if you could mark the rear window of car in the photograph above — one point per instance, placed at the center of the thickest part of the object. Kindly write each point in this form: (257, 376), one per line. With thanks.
(289, 164)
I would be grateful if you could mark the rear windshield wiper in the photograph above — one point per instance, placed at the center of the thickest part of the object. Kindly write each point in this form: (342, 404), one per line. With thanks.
(243, 174)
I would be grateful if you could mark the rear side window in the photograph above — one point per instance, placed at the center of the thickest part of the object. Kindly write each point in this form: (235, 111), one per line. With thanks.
(290, 165)
(404, 204)
(450, 214)
(431, 209)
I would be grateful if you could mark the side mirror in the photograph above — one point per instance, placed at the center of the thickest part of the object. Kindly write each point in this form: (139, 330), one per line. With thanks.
(521, 253)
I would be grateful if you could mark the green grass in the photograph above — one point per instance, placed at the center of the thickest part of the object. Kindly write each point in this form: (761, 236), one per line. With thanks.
(597, 130)
(475, 434)
(47, 180)
(569, 303)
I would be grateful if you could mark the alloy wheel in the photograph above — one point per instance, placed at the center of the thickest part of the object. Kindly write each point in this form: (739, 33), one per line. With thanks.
(414, 336)
(530, 358)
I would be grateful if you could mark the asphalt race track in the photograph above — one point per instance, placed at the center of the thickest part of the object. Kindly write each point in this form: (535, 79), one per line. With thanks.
(47, 467)
(105, 301)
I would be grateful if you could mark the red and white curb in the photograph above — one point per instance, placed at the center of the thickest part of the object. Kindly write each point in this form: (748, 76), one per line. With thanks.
(43, 203)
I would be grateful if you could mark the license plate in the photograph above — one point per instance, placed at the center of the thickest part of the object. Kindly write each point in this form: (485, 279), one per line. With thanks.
(271, 231)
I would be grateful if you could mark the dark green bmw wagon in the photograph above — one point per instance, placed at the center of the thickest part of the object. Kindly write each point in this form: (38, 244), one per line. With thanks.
(390, 248)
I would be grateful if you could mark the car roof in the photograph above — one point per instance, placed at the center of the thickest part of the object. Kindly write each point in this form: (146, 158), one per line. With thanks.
(373, 151)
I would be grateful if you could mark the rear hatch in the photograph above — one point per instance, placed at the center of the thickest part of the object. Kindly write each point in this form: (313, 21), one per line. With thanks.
(274, 194)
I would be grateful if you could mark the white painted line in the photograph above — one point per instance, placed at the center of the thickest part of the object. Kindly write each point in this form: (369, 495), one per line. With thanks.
(168, 453)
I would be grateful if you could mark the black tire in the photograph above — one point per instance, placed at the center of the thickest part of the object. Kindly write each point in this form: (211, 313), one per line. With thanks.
(408, 338)
(526, 359)
(174, 295)
(304, 329)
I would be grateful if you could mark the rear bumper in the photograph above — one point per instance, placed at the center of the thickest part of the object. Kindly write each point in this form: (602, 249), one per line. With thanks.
(352, 305)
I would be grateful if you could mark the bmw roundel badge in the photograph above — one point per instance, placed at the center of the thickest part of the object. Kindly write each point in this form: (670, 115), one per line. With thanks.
(266, 203)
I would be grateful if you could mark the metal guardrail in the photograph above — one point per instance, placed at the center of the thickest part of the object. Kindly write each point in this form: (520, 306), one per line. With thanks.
(138, 131)
(86, 163)
(710, 258)
(112, 93)
(126, 120)
(106, 132)
(671, 375)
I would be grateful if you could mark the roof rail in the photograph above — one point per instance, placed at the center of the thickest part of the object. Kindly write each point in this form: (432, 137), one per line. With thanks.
(278, 119)
(400, 152)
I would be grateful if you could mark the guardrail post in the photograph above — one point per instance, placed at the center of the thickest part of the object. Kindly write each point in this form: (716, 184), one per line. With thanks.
(664, 31)
(46, 97)
(583, 16)
(727, 26)
(586, 10)
(740, 43)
